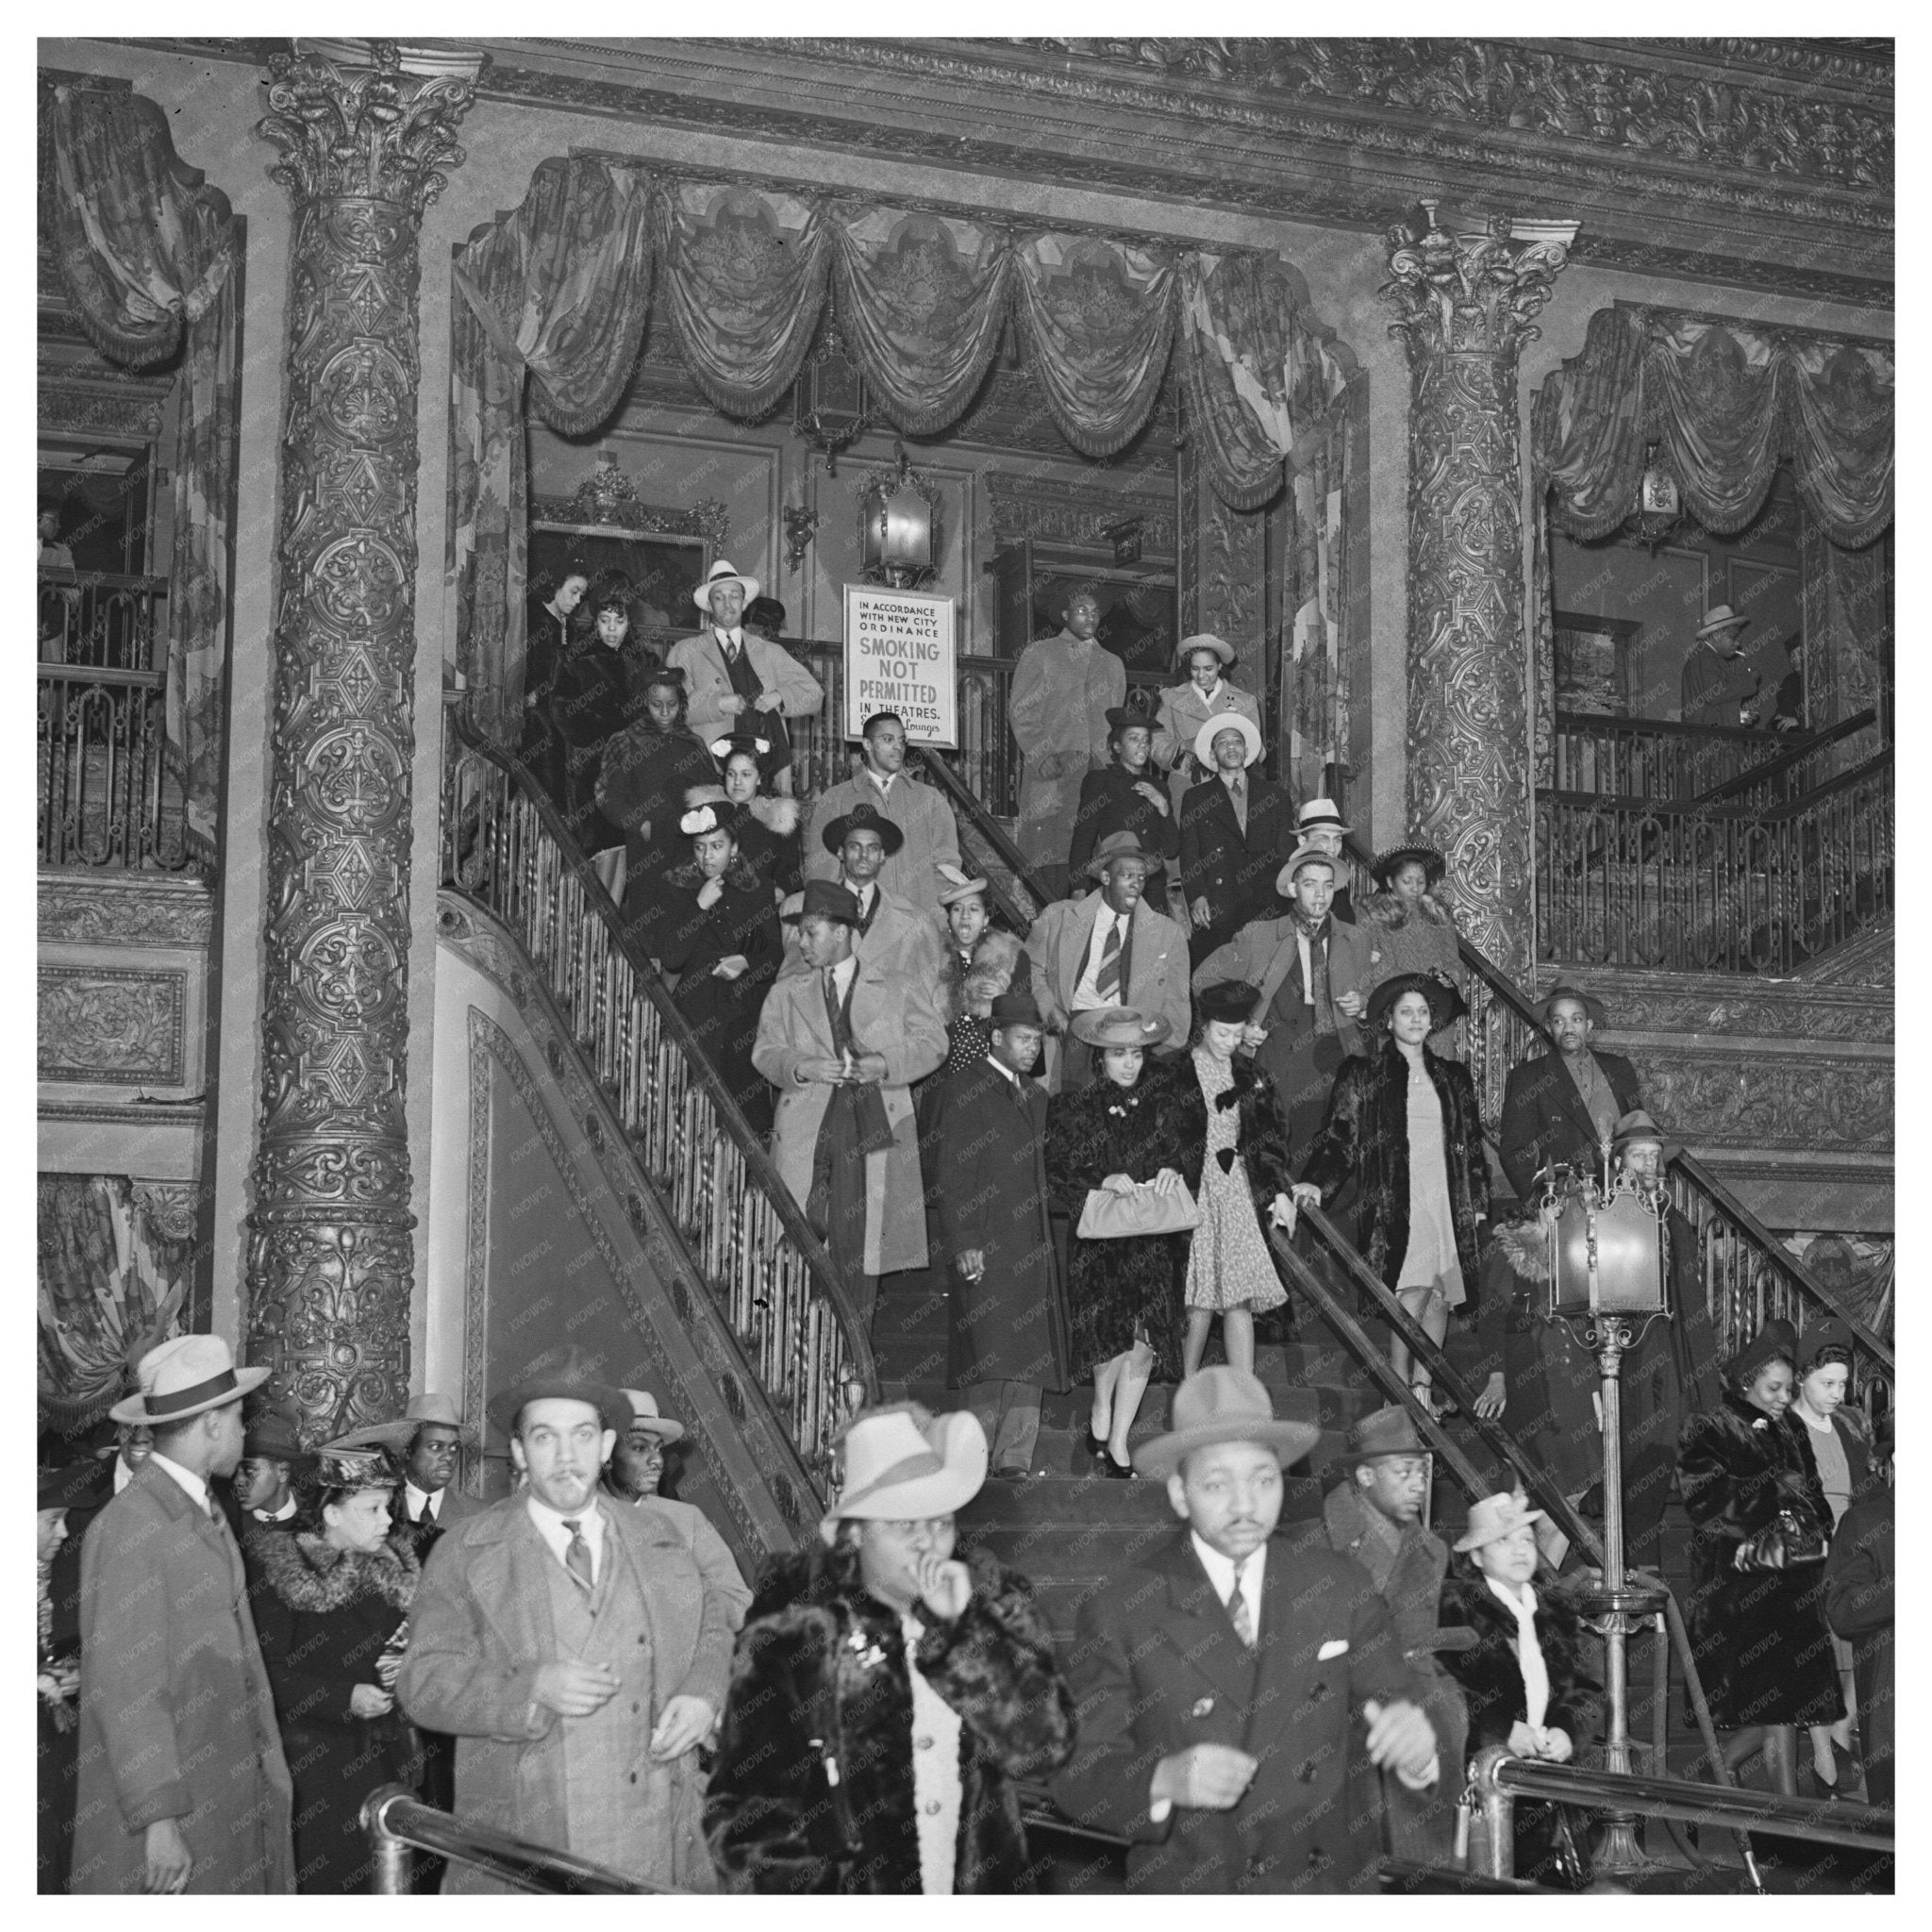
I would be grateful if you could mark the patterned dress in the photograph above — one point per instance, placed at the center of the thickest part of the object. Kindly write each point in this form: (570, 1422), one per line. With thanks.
(1228, 1265)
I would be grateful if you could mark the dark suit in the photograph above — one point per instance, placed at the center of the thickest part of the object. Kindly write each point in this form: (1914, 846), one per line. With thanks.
(1158, 1667)
(1234, 871)
(1544, 1120)
(1860, 1575)
(1111, 801)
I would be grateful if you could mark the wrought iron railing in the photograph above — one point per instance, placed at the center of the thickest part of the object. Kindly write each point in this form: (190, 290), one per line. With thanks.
(1804, 764)
(505, 845)
(1652, 758)
(1718, 887)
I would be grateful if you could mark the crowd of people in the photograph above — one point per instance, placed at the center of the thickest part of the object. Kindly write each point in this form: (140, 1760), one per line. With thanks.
(1087, 1136)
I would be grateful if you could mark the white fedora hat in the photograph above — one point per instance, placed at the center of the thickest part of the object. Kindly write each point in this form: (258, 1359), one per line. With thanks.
(894, 1468)
(1227, 720)
(1319, 815)
(184, 1377)
(644, 1415)
(722, 573)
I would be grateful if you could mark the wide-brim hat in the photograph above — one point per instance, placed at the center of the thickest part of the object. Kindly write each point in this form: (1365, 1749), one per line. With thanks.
(1232, 1002)
(895, 1469)
(183, 1378)
(1222, 1405)
(572, 1377)
(1720, 616)
(722, 573)
(957, 886)
(348, 1463)
(1321, 815)
(1593, 1007)
(397, 1434)
(1445, 1003)
(1284, 879)
(825, 897)
(862, 818)
(644, 1415)
(1202, 640)
(1103, 1026)
(745, 742)
(1227, 721)
(1777, 1339)
(1386, 864)
(1383, 1432)
(78, 1484)
(1120, 845)
(1492, 1518)
(1827, 1332)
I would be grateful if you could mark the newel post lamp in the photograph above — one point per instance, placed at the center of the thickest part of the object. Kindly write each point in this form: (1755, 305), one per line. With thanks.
(1609, 1280)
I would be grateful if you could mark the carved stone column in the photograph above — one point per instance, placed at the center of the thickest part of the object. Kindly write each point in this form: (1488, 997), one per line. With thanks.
(1464, 303)
(365, 140)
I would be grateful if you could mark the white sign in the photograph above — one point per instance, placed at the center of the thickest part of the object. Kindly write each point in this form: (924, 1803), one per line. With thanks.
(899, 656)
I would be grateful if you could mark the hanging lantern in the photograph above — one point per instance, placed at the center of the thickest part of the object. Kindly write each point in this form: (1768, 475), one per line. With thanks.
(830, 402)
(1660, 503)
(898, 535)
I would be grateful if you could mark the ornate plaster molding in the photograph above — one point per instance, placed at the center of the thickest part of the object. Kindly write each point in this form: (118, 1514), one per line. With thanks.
(130, 909)
(1765, 1104)
(708, 517)
(1053, 509)
(113, 1026)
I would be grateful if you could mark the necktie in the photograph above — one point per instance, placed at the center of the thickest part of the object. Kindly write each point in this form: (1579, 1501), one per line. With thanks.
(1239, 1614)
(1107, 982)
(577, 1559)
(428, 1512)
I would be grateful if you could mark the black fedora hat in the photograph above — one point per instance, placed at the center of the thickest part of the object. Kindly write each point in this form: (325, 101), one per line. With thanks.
(862, 818)
(827, 898)
(570, 1375)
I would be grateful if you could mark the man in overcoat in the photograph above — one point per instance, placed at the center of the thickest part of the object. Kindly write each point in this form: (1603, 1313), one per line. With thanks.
(842, 1040)
(183, 1787)
(890, 931)
(1561, 1108)
(1237, 1694)
(1109, 949)
(1314, 972)
(1237, 832)
(1005, 1343)
(929, 834)
(574, 1650)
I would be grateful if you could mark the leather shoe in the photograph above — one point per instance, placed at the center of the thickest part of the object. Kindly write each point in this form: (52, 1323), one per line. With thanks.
(1119, 1471)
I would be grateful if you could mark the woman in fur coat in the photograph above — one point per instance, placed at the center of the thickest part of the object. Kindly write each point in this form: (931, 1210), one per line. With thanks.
(1227, 1119)
(1523, 1679)
(1756, 1618)
(1406, 1123)
(721, 938)
(335, 1609)
(1412, 929)
(885, 1696)
(768, 832)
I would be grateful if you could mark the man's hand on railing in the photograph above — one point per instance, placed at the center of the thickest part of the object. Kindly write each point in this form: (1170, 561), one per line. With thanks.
(1489, 1403)
(1308, 1194)
(575, 1689)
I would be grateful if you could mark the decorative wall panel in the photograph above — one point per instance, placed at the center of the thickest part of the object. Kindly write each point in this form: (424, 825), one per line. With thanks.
(113, 1026)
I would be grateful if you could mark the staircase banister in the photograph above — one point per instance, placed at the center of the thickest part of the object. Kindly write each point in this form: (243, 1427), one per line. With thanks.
(757, 1161)
(1606, 805)
(1799, 749)
(964, 799)
(1659, 727)
(1734, 1210)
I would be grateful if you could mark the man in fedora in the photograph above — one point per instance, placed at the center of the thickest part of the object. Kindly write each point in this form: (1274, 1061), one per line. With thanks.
(1111, 948)
(1237, 830)
(1063, 688)
(574, 1650)
(1206, 695)
(1561, 1108)
(891, 932)
(843, 1038)
(426, 1440)
(928, 835)
(1720, 684)
(1007, 1342)
(1319, 824)
(182, 1786)
(1313, 972)
(1126, 795)
(1375, 1515)
(734, 677)
(1237, 1693)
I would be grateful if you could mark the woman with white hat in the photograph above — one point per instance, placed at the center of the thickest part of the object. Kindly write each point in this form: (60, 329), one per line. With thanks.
(1202, 661)
(768, 831)
(885, 1695)
(1523, 1678)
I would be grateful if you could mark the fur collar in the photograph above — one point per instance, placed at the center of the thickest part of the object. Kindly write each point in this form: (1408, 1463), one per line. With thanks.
(777, 815)
(308, 1573)
(690, 876)
(1525, 1250)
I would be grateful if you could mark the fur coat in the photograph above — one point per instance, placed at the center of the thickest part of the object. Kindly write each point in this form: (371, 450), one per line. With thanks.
(812, 1790)
(1263, 1145)
(1366, 1134)
(767, 838)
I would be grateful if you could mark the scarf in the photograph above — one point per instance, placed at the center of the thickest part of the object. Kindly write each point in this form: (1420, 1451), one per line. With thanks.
(1530, 1653)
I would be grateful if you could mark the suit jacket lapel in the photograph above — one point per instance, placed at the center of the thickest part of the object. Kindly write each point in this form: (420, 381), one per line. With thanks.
(1282, 1663)
(1199, 1628)
(1074, 940)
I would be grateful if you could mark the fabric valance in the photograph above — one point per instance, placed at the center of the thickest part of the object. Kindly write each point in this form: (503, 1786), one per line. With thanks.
(1726, 401)
(147, 252)
(559, 290)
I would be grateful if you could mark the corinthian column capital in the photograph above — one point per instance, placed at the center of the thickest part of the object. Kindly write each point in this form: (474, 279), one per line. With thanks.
(1473, 293)
(372, 118)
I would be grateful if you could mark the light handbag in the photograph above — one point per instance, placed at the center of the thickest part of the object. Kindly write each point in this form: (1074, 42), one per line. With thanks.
(1145, 1211)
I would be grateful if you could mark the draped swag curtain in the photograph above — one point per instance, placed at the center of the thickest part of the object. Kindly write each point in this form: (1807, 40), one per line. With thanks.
(149, 255)
(559, 291)
(1726, 400)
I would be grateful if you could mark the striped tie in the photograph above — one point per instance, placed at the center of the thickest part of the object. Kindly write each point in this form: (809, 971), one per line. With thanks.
(1107, 982)
(576, 1555)
(1238, 1613)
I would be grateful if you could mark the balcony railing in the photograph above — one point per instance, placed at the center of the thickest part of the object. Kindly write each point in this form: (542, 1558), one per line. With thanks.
(1717, 888)
(766, 1271)
(1804, 765)
(1652, 758)
(105, 800)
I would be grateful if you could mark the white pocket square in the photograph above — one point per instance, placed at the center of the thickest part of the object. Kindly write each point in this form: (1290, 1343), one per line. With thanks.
(1334, 1647)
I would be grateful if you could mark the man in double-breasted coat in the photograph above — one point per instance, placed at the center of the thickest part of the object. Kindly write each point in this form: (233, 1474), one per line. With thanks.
(1236, 1693)
(574, 1650)
(1238, 829)
(182, 1786)
(929, 833)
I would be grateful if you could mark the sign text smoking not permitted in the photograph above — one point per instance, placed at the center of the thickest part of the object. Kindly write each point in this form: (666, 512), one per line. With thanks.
(900, 656)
